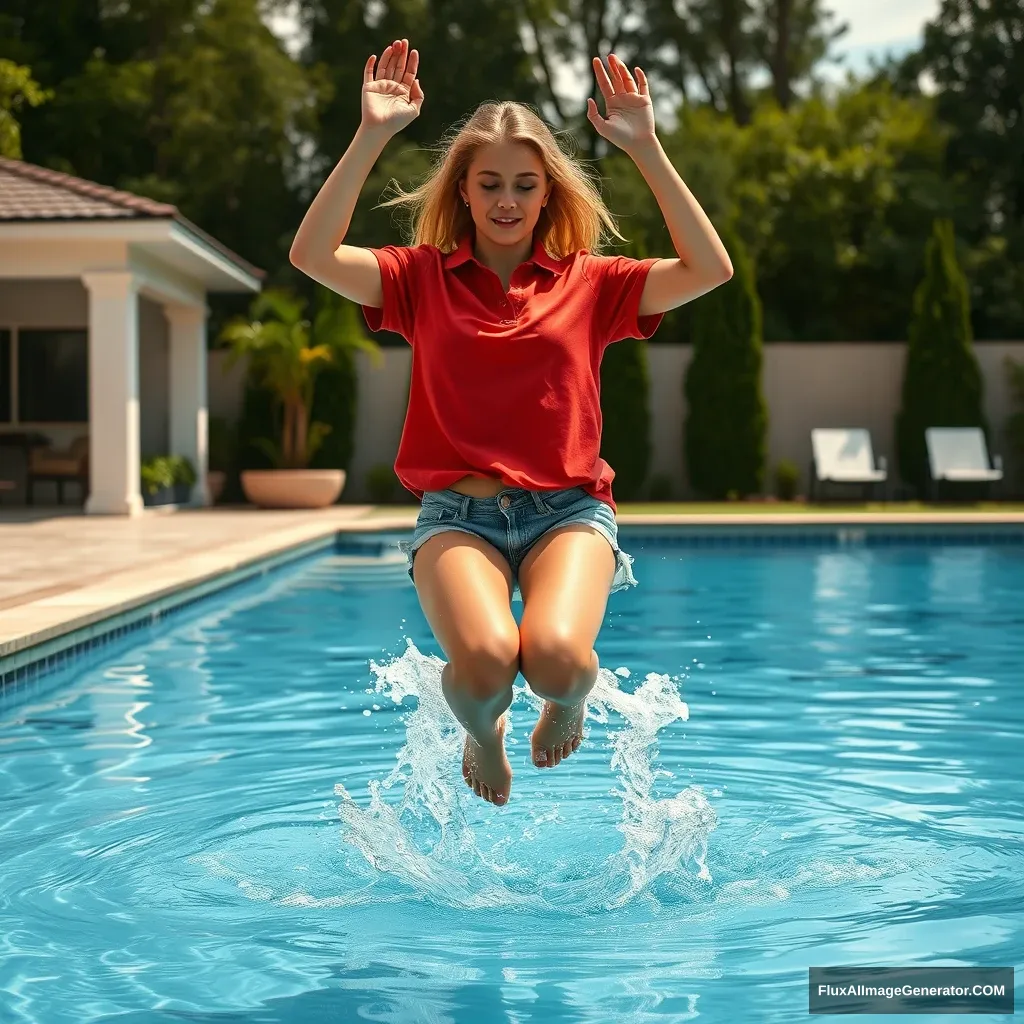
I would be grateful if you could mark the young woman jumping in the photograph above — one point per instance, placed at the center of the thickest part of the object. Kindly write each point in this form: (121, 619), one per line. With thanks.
(509, 310)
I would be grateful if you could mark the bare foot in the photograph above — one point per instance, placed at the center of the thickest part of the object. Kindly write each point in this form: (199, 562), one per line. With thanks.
(558, 732)
(485, 766)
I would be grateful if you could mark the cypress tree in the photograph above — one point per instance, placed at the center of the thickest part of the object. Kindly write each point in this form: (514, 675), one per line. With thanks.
(726, 417)
(626, 416)
(942, 383)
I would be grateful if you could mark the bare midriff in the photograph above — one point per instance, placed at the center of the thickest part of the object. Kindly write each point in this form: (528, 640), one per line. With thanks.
(478, 486)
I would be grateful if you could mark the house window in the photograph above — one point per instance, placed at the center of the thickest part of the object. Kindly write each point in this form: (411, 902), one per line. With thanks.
(53, 376)
(5, 376)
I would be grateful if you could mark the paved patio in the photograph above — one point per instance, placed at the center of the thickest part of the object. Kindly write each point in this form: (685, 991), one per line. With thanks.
(61, 570)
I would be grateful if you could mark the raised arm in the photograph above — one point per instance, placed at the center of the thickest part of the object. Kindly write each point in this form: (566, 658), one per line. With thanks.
(391, 99)
(701, 262)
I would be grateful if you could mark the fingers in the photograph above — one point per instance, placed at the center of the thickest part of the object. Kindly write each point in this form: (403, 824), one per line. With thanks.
(368, 69)
(617, 78)
(645, 89)
(402, 59)
(412, 67)
(604, 83)
(594, 116)
(390, 60)
(625, 79)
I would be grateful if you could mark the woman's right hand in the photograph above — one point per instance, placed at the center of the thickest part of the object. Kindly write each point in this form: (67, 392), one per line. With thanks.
(392, 97)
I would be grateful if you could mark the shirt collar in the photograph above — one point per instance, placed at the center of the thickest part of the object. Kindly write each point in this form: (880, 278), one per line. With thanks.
(464, 252)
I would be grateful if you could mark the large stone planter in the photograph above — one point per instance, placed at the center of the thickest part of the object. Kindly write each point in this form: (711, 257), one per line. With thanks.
(293, 488)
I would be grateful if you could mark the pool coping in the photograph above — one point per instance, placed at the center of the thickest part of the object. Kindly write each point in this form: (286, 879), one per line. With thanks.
(38, 629)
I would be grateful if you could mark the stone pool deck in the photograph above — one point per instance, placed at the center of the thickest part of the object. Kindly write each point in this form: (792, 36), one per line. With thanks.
(61, 571)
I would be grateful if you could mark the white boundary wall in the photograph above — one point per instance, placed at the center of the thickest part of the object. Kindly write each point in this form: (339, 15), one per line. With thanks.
(806, 385)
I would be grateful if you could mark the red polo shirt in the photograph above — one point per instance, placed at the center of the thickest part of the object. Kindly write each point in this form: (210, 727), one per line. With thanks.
(507, 386)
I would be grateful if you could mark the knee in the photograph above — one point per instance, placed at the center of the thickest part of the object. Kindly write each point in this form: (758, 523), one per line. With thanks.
(558, 668)
(484, 669)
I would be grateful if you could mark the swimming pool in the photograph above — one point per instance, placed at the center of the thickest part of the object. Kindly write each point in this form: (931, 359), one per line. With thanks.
(801, 752)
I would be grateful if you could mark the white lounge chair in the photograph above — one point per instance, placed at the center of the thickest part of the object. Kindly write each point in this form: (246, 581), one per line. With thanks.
(959, 455)
(844, 456)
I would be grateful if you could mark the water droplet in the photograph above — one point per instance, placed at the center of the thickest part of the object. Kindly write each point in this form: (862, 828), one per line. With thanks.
(366, 714)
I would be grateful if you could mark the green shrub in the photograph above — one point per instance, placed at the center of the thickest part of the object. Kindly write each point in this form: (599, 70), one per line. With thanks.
(626, 416)
(787, 479)
(660, 487)
(182, 470)
(383, 484)
(726, 416)
(157, 473)
(942, 383)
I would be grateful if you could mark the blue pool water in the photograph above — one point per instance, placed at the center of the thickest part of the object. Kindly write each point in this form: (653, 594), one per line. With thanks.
(254, 813)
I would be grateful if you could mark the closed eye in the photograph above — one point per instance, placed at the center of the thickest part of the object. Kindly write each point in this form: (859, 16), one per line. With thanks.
(522, 188)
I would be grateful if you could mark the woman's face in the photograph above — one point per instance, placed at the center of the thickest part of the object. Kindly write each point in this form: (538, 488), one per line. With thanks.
(506, 187)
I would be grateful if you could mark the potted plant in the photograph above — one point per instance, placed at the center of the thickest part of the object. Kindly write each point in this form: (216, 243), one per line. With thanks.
(286, 352)
(183, 475)
(157, 481)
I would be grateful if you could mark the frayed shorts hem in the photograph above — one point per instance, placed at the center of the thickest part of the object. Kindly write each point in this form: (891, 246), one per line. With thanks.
(582, 508)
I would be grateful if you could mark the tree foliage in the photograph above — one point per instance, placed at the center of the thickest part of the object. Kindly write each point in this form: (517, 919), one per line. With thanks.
(726, 416)
(17, 88)
(942, 383)
(626, 414)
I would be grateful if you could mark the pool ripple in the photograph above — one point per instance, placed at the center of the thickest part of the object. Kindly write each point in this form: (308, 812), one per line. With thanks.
(793, 757)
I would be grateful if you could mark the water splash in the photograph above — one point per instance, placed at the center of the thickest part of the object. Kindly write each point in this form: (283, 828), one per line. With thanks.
(415, 831)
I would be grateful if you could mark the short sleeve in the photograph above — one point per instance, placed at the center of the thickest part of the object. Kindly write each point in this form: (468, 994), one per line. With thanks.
(618, 282)
(401, 269)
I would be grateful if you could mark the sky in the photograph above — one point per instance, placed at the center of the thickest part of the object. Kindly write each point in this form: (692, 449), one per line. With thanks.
(876, 27)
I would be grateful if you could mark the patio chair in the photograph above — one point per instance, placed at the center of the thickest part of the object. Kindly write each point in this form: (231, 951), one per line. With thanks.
(843, 456)
(959, 455)
(49, 465)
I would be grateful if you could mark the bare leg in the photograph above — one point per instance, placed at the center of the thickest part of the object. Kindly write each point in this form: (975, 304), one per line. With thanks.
(565, 580)
(465, 588)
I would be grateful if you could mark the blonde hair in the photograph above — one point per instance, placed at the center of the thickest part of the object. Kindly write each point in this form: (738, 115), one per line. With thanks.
(574, 218)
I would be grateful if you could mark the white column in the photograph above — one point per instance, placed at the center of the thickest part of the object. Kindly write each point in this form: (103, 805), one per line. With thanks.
(113, 392)
(187, 328)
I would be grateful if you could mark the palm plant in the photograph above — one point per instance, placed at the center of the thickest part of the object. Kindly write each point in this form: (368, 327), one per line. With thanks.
(286, 352)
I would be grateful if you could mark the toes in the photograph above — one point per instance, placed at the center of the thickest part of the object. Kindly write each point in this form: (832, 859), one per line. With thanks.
(554, 756)
(576, 741)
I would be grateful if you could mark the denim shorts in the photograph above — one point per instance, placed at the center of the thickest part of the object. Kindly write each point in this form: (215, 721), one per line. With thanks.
(515, 519)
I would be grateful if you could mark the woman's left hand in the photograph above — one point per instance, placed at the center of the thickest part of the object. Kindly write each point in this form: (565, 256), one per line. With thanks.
(629, 112)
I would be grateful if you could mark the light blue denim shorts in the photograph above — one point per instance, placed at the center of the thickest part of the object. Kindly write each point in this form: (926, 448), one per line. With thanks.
(515, 519)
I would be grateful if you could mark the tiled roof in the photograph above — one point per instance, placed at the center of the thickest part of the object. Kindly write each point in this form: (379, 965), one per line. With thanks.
(28, 192)
(31, 193)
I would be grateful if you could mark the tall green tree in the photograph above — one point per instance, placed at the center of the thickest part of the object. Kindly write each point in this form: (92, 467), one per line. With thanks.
(626, 414)
(942, 383)
(972, 60)
(190, 102)
(726, 416)
(17, 89)
(470, 51)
